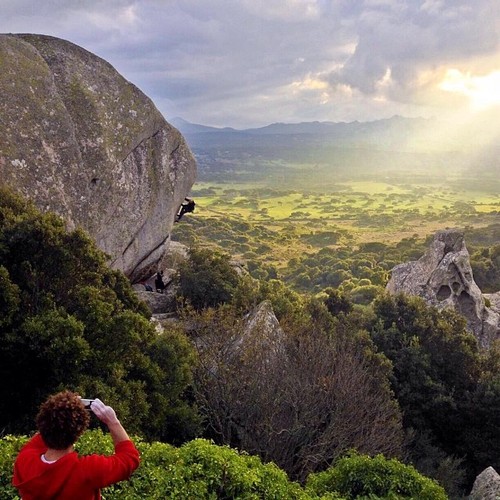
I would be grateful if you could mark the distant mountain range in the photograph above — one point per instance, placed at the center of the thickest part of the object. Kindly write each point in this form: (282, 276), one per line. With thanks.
(399, 143)
(391, 134)
(332, 129)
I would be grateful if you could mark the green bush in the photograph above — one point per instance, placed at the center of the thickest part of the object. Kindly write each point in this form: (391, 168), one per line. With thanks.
(198, 469)
(202, 470)
(360, 476)
(9, 448)
(207, 278)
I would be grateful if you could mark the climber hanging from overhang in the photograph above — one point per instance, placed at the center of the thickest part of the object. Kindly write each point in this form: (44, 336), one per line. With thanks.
(187, 206)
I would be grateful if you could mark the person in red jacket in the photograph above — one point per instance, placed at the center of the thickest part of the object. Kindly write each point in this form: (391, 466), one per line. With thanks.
(47, 467)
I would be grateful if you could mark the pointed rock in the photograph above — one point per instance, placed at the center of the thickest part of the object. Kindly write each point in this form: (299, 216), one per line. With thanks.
(486, 486)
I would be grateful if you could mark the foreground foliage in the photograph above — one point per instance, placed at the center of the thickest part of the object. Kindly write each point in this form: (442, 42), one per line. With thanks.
(202, 470)
(359, 476)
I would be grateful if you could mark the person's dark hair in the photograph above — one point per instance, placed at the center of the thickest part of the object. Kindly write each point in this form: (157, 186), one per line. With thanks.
(62, 419)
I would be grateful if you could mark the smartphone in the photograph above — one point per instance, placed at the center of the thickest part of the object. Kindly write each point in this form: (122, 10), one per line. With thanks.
(87, 403)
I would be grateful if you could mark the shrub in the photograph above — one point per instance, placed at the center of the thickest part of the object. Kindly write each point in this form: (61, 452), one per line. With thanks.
(202, 470)
(360, 476)
(198, 469)
(9, 448)
(207, 278)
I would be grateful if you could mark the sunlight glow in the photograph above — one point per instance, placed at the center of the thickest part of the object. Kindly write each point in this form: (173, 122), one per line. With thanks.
(483, 91)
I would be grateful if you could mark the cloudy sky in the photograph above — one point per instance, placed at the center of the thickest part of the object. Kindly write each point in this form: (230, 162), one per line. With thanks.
(245, 63)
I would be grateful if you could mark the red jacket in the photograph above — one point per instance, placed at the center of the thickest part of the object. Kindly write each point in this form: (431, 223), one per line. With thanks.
(71, 477)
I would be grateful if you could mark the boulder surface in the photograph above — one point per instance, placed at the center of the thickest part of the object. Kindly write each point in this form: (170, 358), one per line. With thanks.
(443, 278)
(486, 486)
(80, 140)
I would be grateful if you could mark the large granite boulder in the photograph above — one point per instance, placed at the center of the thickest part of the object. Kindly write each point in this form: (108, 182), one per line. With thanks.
(443, 278)
(80, 140)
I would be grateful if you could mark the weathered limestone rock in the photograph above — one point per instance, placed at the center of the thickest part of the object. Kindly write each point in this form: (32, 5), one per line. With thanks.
(80, 140)
(443, 278)
(486, 486)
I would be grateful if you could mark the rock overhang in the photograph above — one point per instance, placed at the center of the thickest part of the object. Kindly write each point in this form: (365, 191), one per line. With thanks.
(80, 140)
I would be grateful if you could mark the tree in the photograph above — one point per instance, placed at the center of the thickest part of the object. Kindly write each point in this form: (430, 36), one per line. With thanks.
(207, 278)
(447, 388)
(69, 321)
(299, 397)
(336, 302)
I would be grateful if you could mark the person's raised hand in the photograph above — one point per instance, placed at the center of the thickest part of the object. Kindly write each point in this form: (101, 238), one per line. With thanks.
(104, 413)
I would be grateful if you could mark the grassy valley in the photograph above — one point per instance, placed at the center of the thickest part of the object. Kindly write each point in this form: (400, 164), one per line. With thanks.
(275, 213)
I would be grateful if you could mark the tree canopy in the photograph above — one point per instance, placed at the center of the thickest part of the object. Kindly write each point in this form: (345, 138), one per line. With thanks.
(68, 321)
(447, 387)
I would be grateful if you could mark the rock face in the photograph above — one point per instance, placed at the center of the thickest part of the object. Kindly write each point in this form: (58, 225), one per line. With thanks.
(486, 486)
(159, 303)
(262, 330)
(443, 278)
(80, 140)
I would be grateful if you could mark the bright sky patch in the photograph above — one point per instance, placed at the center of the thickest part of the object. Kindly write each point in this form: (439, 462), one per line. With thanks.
(483, 91)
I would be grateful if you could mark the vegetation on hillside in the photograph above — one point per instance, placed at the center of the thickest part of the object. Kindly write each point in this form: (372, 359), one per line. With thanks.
(442, 382)
(299, 396)
(448, 389)
(348, 368)
(68, 321)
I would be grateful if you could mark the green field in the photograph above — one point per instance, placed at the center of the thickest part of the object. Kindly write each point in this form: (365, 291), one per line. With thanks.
(348, 235)
(368, 211)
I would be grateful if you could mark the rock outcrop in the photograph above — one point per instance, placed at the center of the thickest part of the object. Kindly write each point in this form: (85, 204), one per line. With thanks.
(80, 140)
(260, 333)
(486, 486)
(263, 331)
(160, 303)
(443, 278)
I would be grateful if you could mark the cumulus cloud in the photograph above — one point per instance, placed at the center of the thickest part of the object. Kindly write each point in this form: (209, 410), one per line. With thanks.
(250, 62)
(417, 42)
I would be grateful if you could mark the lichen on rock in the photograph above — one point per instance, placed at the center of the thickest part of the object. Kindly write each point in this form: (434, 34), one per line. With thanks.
(80, 140)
